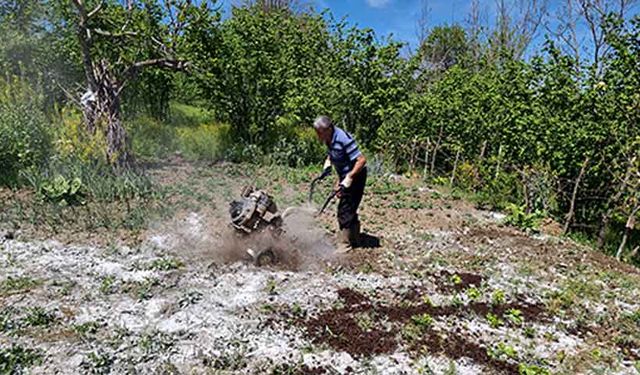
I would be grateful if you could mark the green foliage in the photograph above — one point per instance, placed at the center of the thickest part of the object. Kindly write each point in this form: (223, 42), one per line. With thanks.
(16, 359)
(517, 217)
(525, 369)
(205, 142)
(25, 140)
(62, 190)
(494, 321)
(166, 264)
(102, 182)
(12, 285)
(39, 317)
(514, 316)
(503, 350)
(497, 297)
(422, 320)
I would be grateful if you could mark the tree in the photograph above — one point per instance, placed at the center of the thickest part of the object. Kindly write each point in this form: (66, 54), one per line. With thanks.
(119, 40)
(444, 47)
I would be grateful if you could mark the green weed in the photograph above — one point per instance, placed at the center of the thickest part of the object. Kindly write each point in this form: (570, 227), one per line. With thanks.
(494, 321)
(503, 350)
(498, 297)
(166, 264)
(16, 359)
(517, 217)
(107, 285)
(514, 316)
(98, 362)
(39, 317)
(14, 285)
(525, 369)
(87, 328)
(423, 320)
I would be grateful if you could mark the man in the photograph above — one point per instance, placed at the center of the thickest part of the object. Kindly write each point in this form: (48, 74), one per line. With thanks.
(350, 165)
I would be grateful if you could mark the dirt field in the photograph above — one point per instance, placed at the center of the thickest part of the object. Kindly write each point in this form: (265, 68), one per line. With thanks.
(440, 287)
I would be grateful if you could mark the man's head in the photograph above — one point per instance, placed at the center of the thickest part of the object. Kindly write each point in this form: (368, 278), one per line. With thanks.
(324, 128)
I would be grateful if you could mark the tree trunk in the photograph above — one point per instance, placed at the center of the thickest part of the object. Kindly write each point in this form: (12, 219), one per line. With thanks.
(105, 112)
(455, 167)
(574, 194)
(631, 222)
(606, 217)
(435, 151)
(498, 166)
(426, 160)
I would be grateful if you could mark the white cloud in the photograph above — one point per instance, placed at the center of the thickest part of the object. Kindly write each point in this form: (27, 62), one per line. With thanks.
(378, 3)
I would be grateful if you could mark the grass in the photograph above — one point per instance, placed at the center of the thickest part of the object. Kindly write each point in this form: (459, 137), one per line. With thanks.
(16, 285)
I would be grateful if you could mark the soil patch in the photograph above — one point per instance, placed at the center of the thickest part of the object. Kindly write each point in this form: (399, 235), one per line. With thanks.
(457, 347)
(457, 282)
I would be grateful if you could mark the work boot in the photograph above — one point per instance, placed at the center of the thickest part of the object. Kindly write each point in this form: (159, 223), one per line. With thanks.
(344, 245)
(354, 234)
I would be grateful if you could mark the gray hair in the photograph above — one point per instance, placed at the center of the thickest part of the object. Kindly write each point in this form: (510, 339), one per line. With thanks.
(322, 122)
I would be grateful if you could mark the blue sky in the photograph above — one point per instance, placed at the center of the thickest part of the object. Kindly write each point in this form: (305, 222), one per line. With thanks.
(399, 18)
(391, 17)
(396, 17)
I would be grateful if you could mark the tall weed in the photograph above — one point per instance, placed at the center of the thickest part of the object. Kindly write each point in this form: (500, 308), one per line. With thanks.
(25, 140)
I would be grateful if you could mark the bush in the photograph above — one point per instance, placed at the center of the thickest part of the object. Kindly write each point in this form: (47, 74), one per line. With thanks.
(72, 139)
(302, 148)
(25, 141)
(62, 190)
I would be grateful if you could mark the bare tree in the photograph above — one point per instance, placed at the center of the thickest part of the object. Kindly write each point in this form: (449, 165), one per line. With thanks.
(588, 15)
(474, 30)
(517, 24)
(422, 25)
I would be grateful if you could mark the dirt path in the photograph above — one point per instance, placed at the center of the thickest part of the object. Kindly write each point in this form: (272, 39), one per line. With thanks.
(449, 290)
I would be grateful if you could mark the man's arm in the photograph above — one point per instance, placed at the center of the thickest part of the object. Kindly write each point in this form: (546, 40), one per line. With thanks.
(361, 161)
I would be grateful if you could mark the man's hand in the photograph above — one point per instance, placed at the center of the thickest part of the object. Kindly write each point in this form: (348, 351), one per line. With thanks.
(326, 165)
(347, 181)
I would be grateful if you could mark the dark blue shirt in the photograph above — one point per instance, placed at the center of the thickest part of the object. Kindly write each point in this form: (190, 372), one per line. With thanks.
(343, 151)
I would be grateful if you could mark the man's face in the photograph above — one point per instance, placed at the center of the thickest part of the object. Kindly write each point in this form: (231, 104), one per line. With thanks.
(324, 135)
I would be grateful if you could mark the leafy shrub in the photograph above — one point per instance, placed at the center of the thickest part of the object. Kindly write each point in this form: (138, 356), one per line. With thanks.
(25, 141)
(497, 193)
(62, 190)
(302, 148)
(73, 140)
(517, 217)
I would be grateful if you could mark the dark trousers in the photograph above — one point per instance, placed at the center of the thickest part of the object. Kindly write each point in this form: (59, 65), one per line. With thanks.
(350, 201)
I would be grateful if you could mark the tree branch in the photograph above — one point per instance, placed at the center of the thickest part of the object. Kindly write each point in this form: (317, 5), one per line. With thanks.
(95, 10)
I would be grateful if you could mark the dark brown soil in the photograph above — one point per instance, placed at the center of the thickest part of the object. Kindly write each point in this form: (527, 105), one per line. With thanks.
(339, 328)
(467, 280)
(342, 332)
(352, 297)
(456, 347)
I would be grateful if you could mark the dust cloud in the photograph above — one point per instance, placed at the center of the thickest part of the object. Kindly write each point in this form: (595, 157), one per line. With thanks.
(207, 240)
